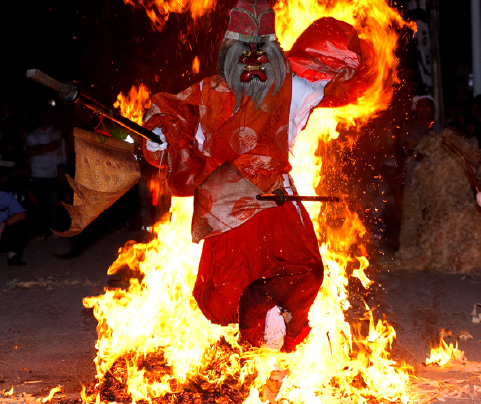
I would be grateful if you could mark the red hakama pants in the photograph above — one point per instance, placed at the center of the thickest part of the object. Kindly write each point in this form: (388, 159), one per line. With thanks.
(272, 259)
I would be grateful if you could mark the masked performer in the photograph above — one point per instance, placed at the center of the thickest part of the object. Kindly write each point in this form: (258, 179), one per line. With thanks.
(228, 139)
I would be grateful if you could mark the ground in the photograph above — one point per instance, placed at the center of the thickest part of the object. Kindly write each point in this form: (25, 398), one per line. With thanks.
(47, 337)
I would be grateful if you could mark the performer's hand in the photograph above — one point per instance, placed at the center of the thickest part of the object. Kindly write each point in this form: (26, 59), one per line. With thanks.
(153, 146)
(478, 198)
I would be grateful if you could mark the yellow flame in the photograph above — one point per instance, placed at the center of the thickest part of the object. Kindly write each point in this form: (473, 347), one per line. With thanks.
(134, 104)
(444, 353)
(51, 394)
(8, 393)
(157, 319)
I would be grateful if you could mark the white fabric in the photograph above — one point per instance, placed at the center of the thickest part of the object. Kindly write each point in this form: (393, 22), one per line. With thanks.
(305, 96)
(45, 165)
(154, 146)
(275, 329)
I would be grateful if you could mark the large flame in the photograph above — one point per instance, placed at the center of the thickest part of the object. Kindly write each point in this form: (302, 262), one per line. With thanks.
(157, 321)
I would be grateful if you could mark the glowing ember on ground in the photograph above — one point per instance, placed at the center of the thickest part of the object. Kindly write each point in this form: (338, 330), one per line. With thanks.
(155, 343)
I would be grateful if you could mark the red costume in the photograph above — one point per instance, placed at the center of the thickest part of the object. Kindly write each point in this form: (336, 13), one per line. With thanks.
(256, 255)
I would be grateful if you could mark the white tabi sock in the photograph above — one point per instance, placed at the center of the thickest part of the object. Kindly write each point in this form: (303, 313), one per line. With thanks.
(274, 330)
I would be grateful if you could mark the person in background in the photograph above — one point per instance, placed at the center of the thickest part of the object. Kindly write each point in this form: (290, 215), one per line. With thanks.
(421, 125)
(13, 228)
(46, 148)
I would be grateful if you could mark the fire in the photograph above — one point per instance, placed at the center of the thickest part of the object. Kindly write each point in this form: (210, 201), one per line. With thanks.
(444, 353)
(156, 320)
(195, 65)
(134, 104)
(8, 393)
(57, 389)
(159, 10)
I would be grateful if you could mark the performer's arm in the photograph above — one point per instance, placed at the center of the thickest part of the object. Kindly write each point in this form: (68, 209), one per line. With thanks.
(175, 119)
(331, 50)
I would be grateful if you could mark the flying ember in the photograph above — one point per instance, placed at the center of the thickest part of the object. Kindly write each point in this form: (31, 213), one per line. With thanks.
(154, 340)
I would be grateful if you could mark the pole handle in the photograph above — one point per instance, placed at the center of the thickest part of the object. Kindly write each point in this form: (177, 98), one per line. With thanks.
(69, 92)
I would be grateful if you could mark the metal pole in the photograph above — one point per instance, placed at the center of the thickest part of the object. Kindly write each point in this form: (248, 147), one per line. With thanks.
(476, 45)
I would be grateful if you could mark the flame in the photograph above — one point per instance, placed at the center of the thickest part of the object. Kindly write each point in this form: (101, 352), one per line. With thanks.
(196, 65)
(51, 394)
(158, 11)
(134, 104)
(443, 354)
(8, 393)
(156, 320)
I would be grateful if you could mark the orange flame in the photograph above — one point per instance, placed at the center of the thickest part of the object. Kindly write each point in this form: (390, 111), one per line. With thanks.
(158, 11)
(443, 354)
(134, 104)
(196, 65)
(8, 393)
(51, 394)
(157, 314)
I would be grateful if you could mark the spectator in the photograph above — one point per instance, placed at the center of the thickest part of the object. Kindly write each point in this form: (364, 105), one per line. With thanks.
(13, 228)
(46, 148)
(420, 126)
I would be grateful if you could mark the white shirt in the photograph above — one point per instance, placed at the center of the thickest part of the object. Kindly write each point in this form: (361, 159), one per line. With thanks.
(45, 165)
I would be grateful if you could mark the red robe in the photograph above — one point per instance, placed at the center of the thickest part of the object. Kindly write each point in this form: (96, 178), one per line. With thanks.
(255, 255)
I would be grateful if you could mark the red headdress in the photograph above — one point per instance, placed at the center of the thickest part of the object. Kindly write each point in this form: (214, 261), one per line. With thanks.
(252, 21)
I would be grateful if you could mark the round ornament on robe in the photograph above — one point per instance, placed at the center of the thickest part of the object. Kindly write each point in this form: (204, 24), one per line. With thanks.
(243, 140)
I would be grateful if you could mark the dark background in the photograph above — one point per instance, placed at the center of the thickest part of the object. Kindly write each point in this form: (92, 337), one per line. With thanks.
(108, 46)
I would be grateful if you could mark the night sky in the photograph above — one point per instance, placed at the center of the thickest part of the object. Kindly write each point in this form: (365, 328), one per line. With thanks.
(108, 46)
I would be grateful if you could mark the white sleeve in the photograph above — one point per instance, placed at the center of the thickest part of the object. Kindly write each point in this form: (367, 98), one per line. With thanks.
(305, 96)
(154, 146)
(199, 135)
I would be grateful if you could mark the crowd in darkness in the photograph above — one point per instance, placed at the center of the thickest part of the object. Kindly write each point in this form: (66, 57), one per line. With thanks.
(36, 156)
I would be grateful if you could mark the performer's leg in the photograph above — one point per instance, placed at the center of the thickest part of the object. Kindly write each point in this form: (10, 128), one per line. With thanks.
(293, 293)
(253, 307)
(216, 291)
(275, 244)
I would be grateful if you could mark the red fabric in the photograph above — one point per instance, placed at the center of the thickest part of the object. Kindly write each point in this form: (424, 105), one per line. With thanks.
(252, 20)
(254, 139)
(272, 259)
(330, 49)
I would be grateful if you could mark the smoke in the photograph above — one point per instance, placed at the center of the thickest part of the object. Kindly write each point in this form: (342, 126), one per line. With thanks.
(230, 68)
